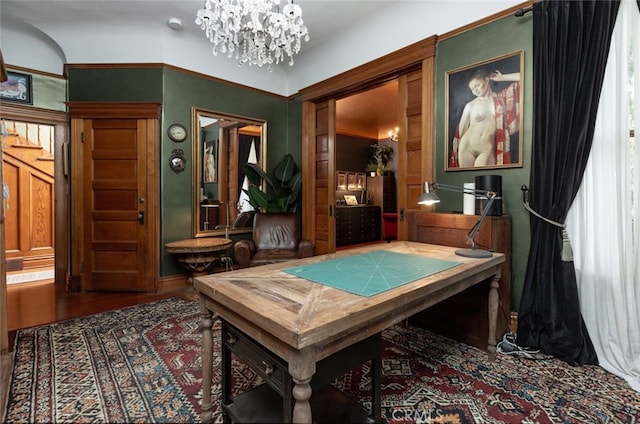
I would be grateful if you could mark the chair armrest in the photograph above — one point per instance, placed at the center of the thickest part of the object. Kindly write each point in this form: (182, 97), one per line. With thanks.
(305, 249)
(243, 250)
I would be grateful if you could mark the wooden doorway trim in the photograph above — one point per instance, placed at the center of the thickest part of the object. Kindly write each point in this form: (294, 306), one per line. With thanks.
(410, 64)
(81, 111)
(373, 73)
(318, 151)
(416, 148)
(61, 184)
(59, 121)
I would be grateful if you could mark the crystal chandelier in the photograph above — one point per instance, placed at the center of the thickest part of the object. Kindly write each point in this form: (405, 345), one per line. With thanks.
(253, 31)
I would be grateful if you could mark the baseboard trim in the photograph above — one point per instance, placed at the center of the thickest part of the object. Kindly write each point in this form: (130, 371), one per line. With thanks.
(173, 283)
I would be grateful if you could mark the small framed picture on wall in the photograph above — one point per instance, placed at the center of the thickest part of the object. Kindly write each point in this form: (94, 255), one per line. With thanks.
(351, 181)
(341, 181)
(17, 88)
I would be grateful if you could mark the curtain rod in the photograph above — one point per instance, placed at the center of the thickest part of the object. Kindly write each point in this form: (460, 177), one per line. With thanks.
(521, 12)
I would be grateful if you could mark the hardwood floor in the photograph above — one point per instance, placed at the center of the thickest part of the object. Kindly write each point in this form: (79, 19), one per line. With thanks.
(37, 303)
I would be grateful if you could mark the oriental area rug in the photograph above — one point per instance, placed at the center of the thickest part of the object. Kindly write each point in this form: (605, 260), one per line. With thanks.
(142, 364)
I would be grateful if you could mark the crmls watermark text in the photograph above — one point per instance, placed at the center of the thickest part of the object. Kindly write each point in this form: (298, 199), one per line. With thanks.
(418, 416)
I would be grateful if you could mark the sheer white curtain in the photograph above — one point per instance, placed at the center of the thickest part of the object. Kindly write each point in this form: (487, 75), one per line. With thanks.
(604, 220)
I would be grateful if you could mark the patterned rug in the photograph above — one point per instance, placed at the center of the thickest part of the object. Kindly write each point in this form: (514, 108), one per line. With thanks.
(141, 364)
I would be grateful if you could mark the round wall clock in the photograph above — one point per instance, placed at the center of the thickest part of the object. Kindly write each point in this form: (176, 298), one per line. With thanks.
(177, 133)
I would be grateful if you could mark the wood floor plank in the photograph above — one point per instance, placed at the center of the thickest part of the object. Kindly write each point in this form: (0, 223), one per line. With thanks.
(38, 303)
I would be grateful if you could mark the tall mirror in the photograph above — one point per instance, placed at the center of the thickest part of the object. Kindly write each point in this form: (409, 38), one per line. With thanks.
(222, 144)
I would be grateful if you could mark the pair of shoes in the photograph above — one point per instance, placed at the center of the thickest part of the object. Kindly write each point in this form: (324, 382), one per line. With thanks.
(508, 346)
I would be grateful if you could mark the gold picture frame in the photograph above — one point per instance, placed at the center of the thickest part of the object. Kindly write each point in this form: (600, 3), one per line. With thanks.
(478, 97)
(351, 181)
(341, 181)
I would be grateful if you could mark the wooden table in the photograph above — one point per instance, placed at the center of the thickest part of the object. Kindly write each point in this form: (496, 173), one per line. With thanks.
(198, 254)
(304, 322)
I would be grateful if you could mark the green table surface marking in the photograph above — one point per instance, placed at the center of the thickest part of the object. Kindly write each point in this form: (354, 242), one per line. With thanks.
(368, 274)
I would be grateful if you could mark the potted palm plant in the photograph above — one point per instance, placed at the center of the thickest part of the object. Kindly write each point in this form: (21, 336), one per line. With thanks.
(381, 156)
(372, 169)
(281, 188)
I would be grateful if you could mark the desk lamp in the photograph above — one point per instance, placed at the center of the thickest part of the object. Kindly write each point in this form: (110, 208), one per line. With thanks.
(429, 197)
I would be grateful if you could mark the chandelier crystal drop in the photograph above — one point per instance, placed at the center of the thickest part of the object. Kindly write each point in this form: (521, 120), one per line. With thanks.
(253, 31)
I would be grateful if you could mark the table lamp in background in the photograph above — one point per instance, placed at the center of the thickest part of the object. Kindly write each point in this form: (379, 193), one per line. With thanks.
(429, 197)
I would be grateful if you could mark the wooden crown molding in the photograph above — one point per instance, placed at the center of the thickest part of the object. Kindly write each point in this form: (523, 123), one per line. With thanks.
(147, 110)
(496, 16)
(32, 114)
(377, 71)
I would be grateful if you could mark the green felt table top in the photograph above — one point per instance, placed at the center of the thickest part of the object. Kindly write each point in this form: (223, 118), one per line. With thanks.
(368, 274)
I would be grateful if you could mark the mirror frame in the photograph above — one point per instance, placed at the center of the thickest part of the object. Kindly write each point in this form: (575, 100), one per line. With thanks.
(230, 147)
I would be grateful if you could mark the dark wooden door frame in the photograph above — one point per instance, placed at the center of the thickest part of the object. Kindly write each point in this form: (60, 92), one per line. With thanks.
(78, 111)
(61, 183)
(392, 66)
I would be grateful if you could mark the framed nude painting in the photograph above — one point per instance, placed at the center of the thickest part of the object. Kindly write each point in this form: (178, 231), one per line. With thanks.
(210, 161)
(483, 114)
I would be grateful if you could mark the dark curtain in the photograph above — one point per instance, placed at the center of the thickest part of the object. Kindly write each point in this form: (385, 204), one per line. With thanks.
(570, 49)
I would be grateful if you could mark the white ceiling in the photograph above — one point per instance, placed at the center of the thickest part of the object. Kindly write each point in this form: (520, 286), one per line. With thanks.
(46, 34)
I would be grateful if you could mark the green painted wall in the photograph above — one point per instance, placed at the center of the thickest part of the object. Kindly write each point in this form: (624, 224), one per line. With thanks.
(179, 92)
(115, 84)
(490, 41)
(47, 92)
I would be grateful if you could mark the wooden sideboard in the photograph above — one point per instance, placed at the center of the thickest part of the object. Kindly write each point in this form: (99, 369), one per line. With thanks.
(463, 317)
(357, 224)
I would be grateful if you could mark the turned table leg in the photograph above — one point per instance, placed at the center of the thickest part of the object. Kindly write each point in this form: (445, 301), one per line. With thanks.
(301, 368)
(207, 362)
(493, 315)
(302, 394)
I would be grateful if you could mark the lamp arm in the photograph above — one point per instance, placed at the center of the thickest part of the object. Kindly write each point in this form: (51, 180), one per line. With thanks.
(429, 197)
(465, 190)
(476, 228)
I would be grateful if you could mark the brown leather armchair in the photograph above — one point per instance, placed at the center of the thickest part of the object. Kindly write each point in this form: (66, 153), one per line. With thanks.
(276, 238)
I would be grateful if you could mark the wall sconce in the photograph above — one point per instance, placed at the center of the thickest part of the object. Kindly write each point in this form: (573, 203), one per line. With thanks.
(393, 135)
(429, 197)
